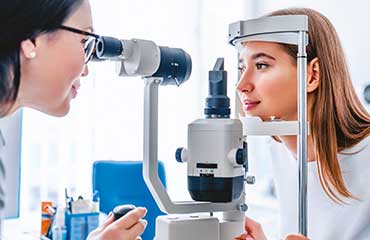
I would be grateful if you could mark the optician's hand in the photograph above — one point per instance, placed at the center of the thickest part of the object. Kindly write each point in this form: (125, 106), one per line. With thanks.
(128, 227)
(254, 232)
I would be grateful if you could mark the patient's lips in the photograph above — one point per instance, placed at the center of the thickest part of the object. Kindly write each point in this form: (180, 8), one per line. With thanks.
(250, 104)
(75, 88)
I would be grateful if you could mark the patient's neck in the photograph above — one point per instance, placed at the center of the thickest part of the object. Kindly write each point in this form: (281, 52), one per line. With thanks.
(291, 143)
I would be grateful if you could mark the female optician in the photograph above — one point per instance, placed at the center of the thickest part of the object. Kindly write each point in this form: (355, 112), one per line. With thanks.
(44, 48)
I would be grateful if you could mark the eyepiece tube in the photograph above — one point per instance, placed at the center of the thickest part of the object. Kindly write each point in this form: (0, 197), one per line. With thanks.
(144, 58)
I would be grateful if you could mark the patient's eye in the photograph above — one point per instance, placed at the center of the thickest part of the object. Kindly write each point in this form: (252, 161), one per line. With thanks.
(261, 65)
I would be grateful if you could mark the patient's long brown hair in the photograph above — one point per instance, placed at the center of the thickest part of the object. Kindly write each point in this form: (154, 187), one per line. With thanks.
(338, 119)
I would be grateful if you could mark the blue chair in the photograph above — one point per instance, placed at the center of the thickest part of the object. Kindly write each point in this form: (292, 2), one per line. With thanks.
(121, 182)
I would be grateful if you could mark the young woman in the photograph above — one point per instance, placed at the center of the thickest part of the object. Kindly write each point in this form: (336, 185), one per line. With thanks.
(338, 144)
(44, 48)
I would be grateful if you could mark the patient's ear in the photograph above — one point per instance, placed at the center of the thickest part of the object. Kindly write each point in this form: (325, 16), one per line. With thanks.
(313, 75)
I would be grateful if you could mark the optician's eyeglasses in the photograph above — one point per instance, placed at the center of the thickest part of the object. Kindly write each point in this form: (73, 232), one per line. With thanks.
(90, 43)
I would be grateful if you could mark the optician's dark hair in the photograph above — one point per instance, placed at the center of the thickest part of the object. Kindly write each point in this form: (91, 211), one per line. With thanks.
(21, 20)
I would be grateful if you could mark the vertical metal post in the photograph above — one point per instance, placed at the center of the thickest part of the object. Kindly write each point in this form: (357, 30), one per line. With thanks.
(302, 138)
(237, 106)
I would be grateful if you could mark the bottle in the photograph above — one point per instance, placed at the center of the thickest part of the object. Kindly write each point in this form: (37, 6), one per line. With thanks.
(59, 228)
(95, 203)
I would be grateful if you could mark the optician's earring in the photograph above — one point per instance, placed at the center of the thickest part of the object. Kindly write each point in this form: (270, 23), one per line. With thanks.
(32, 55)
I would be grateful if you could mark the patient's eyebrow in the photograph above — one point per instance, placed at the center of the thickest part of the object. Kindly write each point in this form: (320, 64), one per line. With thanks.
(262, 54)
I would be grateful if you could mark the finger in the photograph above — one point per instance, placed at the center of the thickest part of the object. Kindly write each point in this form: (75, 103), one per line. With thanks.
(254, 229)
(137, 229)
(251, 225)
(109, 220)
(244, 236)
(131, 218)
(296, 237)
(241, 237)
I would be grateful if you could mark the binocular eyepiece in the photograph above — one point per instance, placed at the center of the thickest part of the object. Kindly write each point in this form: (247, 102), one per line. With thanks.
(144, 58)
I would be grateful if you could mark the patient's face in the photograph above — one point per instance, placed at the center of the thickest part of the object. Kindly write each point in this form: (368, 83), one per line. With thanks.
(268, 83)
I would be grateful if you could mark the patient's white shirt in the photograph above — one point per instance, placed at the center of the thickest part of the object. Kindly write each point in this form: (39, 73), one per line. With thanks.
(327, 220)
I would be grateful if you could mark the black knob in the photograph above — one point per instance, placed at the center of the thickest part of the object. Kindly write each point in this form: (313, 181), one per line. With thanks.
(178, 155)
(122, 210)
(241, 156)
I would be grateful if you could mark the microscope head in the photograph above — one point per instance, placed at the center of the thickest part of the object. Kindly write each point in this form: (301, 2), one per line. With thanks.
(216, 155)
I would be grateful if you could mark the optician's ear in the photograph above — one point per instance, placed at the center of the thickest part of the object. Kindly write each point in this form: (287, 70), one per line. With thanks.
(28, 49)
(313, 75)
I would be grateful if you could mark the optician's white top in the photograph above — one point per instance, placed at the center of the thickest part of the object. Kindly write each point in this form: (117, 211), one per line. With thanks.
(327, 220)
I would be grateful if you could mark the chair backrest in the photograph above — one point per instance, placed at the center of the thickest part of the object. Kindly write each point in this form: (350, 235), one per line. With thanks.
(121, 182)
